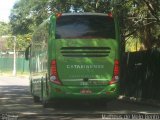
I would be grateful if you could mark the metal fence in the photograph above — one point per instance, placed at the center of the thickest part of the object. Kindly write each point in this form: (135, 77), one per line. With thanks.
(6, 62)
(141, 74)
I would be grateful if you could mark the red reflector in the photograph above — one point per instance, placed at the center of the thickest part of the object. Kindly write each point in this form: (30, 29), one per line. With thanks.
(58, 15)
(110, 14)
(53, 73)
(115, 77)
(116, 68)
(53, 68)
(113, 81)
(116, 62)
(108, 93)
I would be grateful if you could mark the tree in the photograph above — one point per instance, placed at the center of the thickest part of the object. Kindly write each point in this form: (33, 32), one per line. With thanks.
(19, 18)
(138, 18)
(141, 19)
(26, 15)
(4, 28)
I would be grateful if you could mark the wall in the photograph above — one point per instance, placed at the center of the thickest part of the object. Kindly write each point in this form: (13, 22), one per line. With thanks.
(141, 74)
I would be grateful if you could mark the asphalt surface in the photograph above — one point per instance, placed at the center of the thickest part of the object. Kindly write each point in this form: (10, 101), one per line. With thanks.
(16, 103)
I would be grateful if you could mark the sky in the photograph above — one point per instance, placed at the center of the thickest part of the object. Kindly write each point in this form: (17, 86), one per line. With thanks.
(5, 8)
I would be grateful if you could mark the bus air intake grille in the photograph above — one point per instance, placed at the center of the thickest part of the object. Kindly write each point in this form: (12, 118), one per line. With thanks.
(85, 51)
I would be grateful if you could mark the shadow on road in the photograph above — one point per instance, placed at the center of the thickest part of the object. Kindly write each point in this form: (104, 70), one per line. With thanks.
(17, 100)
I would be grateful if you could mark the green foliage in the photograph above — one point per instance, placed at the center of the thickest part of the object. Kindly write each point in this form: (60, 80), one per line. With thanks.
(102, 6)
(19, 18)
(4, 29)
(141, 18)
(22, 42)
(27, 14)
(133, 44)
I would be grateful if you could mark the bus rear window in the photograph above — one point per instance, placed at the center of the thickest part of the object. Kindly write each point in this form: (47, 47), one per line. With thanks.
(85, 26)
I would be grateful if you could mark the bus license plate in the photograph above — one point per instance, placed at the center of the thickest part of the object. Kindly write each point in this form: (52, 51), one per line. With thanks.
(85, 91)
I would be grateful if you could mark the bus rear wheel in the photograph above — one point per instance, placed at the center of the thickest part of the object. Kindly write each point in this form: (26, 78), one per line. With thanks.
(100, 103)
(36, 99)
(45, 103)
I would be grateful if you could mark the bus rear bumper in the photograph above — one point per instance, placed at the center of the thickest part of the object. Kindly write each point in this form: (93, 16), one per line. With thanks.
(72, 92)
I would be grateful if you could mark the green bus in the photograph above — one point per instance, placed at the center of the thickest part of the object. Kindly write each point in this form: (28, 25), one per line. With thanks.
(75, 56)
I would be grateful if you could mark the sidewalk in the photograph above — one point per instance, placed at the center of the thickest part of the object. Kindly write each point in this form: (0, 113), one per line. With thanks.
(6, 80)
(134, 100)
(7, 74)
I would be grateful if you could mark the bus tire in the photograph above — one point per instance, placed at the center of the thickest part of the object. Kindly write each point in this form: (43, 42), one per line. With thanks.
(100, 103)
(45, 103)
(36, 99)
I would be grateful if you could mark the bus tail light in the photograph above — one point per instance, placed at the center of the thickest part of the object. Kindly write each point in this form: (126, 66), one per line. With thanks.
(53, 73)
(58, 15)
(115, 77)
(110, 14)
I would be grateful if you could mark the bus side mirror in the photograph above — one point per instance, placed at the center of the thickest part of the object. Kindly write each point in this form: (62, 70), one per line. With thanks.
(27, 52)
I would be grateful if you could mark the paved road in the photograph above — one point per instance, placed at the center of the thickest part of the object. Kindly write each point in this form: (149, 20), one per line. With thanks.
(16, 102)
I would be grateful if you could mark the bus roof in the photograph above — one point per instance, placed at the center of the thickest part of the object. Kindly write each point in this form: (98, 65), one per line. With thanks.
(85, 13)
